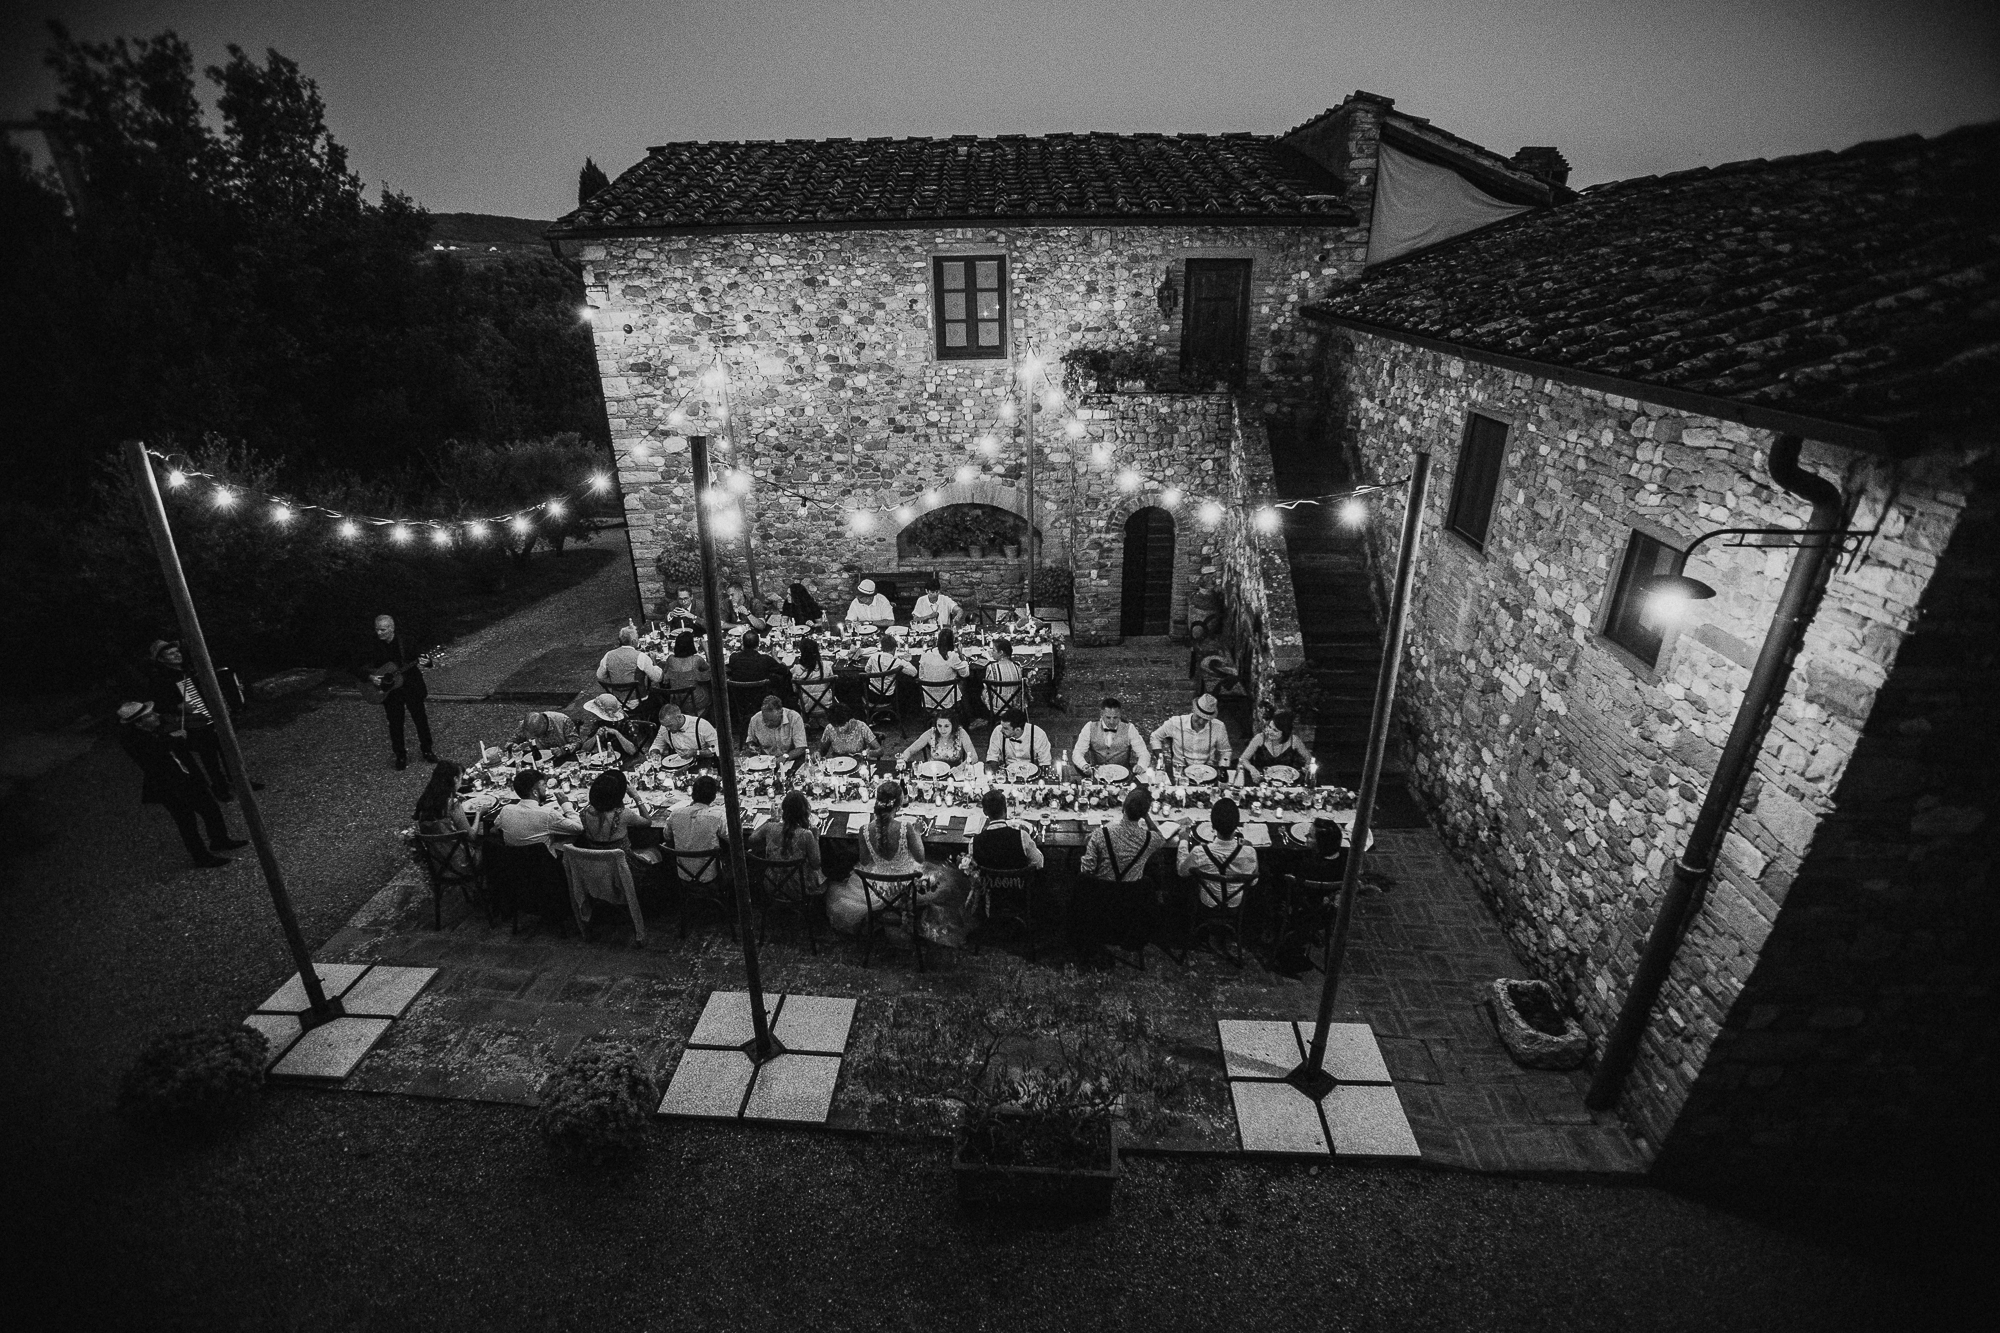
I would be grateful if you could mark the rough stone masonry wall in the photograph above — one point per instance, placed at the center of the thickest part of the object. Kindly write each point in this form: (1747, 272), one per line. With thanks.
(1564, 776)
(1860, 1054)
(833, 384)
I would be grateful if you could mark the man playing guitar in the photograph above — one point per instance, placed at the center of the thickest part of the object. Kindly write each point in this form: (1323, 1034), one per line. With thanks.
(391, 674)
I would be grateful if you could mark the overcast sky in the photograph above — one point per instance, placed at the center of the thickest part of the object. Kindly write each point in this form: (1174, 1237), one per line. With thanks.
(491, 107)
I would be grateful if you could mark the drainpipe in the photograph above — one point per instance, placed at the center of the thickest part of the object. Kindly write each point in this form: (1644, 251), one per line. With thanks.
(1692, 870)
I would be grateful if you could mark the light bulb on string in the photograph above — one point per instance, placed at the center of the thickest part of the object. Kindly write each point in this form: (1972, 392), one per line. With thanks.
(904, 514)
(713, 377)
(988, 445)
(349, 529)
(1128, 480)
(1353, 513)
(224, 497)
(1052, 401)
(599, 482)
(399, 534)
(1101, 456)
(554, 508)
(476, 531)
(1210, 513)
(861, 521)
(677, 418)
(1170, 498)
(280, 515)
(177, 479)
(583, 313)
(966, 474)
(1267, 519)
(726, 523)
(521, 525)
(930, 499)
(441, 536)
(739, 482)
(1073, 428)
(1007, 410)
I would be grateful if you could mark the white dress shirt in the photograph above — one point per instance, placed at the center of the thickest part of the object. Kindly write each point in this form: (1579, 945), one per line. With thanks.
(875, 610)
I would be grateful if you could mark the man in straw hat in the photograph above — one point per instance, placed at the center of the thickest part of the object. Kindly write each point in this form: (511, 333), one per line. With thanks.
(603, 727)
(173, 781)
(870, 607)
(1196, 736)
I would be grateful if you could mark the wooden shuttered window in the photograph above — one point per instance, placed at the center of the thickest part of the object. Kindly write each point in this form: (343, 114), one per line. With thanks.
(970, 292)
(1627, 624)
(1477, 481)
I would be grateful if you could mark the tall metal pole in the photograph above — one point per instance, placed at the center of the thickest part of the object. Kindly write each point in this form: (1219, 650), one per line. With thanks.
(1028, 425)
(738, 460)
(148, 487)
(1311, 1077)
(762, 1047)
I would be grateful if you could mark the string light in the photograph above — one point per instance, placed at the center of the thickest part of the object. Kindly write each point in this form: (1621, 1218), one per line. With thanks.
(1170, 498)
(1073, 428)
(177, 479)
(280, 515)
(739, 482)
(1353, 513)
(583, 313)
(441, 536)
(727, 523)
(1267, 519)
(1210, 513)
(399, 533)
(965, 474)
(904, 514)
(988, 445)
(224, 497)
(555, 508)
(1128, 480)
(861, 521)
(599, 482)
(476, 530)
(521, 525)
(349, 529)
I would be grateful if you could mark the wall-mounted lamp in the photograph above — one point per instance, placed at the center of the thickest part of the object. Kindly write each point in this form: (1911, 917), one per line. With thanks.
(1667, 595)
(1168, 295)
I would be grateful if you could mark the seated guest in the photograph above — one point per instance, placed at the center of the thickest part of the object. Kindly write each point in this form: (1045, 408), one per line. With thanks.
(1112, 903)
(870, 607)
(625, 671)
(788, 835)
(739, 608)
(683, 734)
(529, 820)
(776, 730)
(812, 676)
(609, 822)
(604, 728)
(1016, 738)
(1002, 844)
(1225, 862)
(1110, 740)
(1002, 674)
(439, 809)
(893, 845)
(847, 734)
(1275, 744)
(701, 826)
(1324, 861)
(800, 608)
(934, 608)
(939, 671)
(884, 660)
(1194, 737)
(546, 731)
(750, 662)
(1120, 849)
(943, 740)
(685, 673)
(680, 613)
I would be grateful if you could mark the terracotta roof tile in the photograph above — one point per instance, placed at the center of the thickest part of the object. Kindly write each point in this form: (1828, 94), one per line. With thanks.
(1860, 287)
(1083, 176)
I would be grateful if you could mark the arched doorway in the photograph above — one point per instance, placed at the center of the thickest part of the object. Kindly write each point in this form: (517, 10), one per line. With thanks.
(1148, 606)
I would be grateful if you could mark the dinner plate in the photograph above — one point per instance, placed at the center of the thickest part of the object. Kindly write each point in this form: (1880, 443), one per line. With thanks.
(1113, 772)
(1198, 773)
(933, 768)
(840, 763)
(1302, 832)
(1204, 831)
(1168, 827)
(675, 762)
(760, 763)
(1022, 769)
(480, 802)
(1281, 773)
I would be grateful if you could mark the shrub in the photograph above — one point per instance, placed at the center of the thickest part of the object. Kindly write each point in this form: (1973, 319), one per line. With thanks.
(197, 1080)
(596, 1107)
(1055, 585)
(1302, 689)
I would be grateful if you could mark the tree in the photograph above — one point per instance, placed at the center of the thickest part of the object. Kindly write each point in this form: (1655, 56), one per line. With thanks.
(589, 181)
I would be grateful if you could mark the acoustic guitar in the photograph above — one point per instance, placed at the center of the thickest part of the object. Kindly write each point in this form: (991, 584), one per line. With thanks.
(386, 678)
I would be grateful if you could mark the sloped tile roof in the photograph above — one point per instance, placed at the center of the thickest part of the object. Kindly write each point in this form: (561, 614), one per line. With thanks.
(1115, 177)
(1860, 287)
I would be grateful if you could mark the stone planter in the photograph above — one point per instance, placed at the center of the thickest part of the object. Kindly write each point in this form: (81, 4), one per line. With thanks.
(1070, 1192)
(1529, 1045)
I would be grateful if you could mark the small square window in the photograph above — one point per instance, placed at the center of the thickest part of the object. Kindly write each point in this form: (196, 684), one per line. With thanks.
(1628, 622)
(971, 306)
(1477, 482)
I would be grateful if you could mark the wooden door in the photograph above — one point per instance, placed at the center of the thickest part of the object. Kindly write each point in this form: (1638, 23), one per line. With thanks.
(1215, 326)
(1147, 605)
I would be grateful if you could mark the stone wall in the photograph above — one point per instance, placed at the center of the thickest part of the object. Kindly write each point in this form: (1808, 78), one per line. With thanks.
(1562, 773)
(834, 390)
(1860, 1052)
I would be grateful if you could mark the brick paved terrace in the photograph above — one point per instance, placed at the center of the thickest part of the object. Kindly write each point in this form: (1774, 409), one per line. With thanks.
(506, 1008)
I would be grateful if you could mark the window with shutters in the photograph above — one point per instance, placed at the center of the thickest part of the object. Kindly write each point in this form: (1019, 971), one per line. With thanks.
(1629, 621)
(1477, 482)
(970, 295)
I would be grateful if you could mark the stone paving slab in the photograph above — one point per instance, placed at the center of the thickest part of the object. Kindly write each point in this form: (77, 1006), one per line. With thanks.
(793, 1087)
(816, 1024)
(334, 979)
(1367, 1120)
(709, 1084)
(1258, 1048)
(281, 1030)
(1276, 1118)
(725, 1020)
(386, 991)
(329, 1052)
(1351, 1053)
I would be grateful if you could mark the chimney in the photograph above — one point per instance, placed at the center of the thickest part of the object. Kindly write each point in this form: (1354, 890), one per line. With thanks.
(1547, 164)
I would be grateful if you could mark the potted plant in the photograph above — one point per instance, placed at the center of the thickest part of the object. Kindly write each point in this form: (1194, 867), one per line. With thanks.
(1032, 1084)
(1055, 585)
(1533, 1026)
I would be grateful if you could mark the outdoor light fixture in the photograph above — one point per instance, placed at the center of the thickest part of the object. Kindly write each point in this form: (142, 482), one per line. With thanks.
(555, 508)
(727, 523)
(1170, 497)
(583, 313)
(966, 473)
(930, 499)
(598, 481)
(350, 529)
(988, 445)
(1073, 429)
(1007, 411)
(738, 482)
(280, 515)
(476, 531)
(522, 526)
(1211, 513)
(712, 376)
(1128, 480)
(441, 536)
(904, 513)
(1267, 519)
(677, 418)
(1101, 456)
(399, 533)
(177, 479)
(224, 497)
(1667, 596)
(861, 520)
(1354, 513)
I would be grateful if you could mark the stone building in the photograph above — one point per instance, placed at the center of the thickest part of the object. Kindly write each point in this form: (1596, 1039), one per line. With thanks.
(879, 307)
(1600, 384)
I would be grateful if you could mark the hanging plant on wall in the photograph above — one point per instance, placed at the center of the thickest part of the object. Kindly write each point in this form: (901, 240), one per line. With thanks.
(956, 530)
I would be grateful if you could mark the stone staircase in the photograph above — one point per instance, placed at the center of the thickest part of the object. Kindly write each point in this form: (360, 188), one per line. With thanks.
(1343, 640)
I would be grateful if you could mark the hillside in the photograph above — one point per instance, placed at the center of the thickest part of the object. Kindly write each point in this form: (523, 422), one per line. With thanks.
(474, 234)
